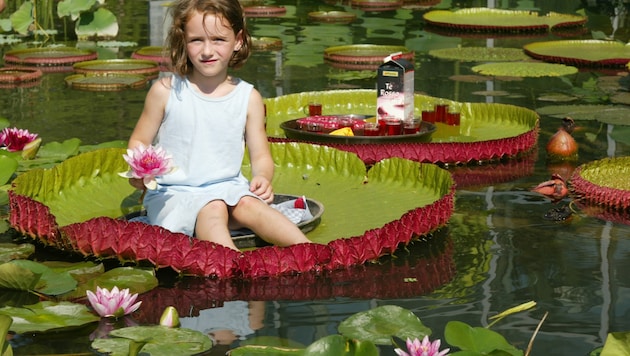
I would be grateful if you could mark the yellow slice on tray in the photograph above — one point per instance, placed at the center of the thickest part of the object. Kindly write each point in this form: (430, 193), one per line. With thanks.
(346, 131)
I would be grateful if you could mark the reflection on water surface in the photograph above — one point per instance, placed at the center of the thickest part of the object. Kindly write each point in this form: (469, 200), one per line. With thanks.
(504, 252)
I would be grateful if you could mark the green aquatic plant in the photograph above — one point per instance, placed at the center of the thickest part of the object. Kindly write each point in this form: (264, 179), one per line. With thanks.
(90, 17)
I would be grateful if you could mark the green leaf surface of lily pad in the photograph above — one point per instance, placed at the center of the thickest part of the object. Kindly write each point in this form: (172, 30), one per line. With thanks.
(480, 54)
(524, 69)
(160, 341)
(48, 316)
(580, 52)
(89, 186)
(380, 324)
(490, 19)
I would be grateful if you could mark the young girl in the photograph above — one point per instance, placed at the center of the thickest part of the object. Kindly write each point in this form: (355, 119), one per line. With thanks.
(203, 117)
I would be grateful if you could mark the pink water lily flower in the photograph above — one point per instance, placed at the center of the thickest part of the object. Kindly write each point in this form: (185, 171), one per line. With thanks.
(424, 348)
(147, 163)
(114, 303)
(14, 139)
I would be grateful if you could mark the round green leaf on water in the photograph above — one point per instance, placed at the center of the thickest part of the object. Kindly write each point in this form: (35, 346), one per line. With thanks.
(480, 340)
(524, 69)
(51, 282)
(46, 316)
(480, 54)
(608, 114)
(8, 166)
(380, 324)
(340, 346)
(160, 340)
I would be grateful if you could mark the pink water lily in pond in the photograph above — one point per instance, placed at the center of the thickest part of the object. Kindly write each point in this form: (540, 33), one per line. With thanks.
(424, 348)
(147, 163)
(14, 139)
(114, 303)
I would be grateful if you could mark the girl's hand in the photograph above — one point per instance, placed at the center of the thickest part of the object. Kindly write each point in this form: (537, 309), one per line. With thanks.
(137, 183)
(261, 186)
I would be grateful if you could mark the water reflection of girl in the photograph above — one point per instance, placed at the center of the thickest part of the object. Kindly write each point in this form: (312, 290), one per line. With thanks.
(228, 323)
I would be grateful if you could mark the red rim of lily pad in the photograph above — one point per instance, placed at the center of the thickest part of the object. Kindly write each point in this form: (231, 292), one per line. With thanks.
(376, 5)
(363, 56)
(264, 11)
(151, 53)
(603, 182)
(581, 53)
(107, 237)
(53, 56)
(420, 273)
(15, 75)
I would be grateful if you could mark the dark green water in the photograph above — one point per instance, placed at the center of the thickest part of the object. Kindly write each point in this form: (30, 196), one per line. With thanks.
(503, 251)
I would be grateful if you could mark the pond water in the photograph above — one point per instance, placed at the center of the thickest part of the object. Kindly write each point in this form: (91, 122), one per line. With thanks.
(502, 250)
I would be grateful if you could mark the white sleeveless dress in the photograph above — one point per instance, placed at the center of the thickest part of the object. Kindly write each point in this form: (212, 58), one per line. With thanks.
(205, 136)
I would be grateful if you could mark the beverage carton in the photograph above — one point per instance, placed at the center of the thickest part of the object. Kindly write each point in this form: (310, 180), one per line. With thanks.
(395, 91)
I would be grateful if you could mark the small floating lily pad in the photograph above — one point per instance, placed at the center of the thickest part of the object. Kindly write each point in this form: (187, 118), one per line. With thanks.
(19, 75)
(51, 56)
(362, 56)
(340, 17)
(160, 340)
(121, 66)
(264, 11)
(376, 5)
(524, 69)
(106, 82)
(480, 54)
(498, 20)
(152, 53)
(594, 53)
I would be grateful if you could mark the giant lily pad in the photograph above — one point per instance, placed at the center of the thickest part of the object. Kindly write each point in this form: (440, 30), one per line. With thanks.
(49, 56)
(74, 205)
(581, 53)
(524, 69)
(499, 20)
(603, 182)
(487, 131)
(362, 56)
(105, 66)
(106, 82)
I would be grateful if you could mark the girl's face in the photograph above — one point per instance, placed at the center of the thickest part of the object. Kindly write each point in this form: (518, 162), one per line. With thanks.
(210, 43)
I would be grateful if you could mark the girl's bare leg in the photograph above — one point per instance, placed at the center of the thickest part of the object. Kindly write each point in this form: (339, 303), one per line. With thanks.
(212, 224)
(267, 222)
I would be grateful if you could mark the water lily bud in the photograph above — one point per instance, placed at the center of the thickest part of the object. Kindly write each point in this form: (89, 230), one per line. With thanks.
(30, 149)
(170, 317)
(562, 146)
